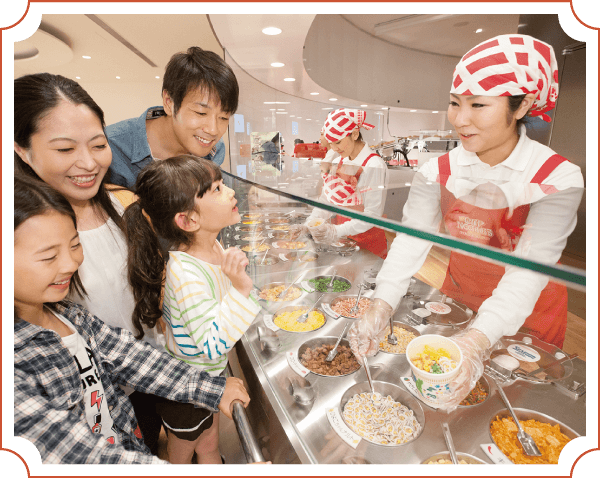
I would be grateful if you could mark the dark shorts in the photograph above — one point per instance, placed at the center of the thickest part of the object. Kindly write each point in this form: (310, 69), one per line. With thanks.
(184, 420)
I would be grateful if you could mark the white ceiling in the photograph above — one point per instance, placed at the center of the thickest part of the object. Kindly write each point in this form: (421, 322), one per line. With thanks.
(128, 46)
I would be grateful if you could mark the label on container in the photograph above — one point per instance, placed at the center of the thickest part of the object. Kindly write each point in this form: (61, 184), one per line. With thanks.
(268, 320)
(494, 454)
(337, 423)
(522, 352)
(292, 358)
(438, 308)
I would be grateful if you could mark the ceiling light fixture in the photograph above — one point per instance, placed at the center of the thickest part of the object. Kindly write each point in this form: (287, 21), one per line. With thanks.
(78, 77)
(314, 93)
(413, 111)
(157, 77)
(281, 109)
(271, 31)
(118, 77)
(299, 117)
(282, 102)
(289, 79)
(291, 116)
(479, 30)
(272, 109)
(435, 111)
(86, 57)
(281, 112)
(277, 64)
(326, 108)
(333, 99)
(364, 106)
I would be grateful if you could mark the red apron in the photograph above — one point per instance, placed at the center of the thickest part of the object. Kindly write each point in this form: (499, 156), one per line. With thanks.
(372, 240)
(471, 281)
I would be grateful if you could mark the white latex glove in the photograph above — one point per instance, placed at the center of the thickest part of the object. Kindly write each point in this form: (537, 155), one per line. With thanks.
(364, 335)
(473, 344)
(324, 234)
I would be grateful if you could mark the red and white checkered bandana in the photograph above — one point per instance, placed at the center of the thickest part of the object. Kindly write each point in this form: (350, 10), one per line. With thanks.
(341, 122)
(510, 65)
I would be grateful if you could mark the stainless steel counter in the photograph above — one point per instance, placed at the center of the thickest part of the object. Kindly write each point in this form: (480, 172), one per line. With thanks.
(293, 433)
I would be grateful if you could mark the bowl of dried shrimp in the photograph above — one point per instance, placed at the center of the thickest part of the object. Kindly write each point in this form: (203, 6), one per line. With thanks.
(342, 304)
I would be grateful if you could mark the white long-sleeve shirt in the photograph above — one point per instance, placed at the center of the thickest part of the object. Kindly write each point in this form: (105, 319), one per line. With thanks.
(551, 219)
(371, 185)
(205, 314)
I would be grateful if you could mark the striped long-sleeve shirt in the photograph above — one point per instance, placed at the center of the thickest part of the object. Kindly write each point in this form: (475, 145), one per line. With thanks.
(205, 314)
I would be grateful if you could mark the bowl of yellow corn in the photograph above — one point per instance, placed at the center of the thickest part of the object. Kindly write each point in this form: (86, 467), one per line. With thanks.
(434, 362)
(286, 318)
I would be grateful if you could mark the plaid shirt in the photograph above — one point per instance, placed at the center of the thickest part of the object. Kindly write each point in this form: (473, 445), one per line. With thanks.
(49, 397)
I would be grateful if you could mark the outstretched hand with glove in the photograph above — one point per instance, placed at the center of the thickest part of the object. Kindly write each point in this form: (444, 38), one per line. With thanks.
(324, 233)
(364, 335)
(297, 230)
(473, 344)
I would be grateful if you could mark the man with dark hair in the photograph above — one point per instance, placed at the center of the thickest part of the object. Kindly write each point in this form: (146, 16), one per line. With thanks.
(200, 92)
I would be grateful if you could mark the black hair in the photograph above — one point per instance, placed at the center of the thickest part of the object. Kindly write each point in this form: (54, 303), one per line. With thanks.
(164, 189)
(35, 198)
(513, 105)
(35, 97)
(195, 68)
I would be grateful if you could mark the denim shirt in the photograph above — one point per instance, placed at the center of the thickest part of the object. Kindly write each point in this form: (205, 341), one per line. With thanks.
(48, 391)
(131, 152)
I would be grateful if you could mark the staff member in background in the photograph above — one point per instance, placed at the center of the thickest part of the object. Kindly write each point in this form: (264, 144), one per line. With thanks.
(494, 86)
(200, 92)
(330, 156)
(357, 182)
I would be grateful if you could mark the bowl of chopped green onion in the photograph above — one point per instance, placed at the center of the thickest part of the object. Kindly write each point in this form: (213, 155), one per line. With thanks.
(321, 284)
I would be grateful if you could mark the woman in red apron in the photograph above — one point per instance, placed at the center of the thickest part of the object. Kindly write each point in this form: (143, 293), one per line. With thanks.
(495, 85)
(356, 182)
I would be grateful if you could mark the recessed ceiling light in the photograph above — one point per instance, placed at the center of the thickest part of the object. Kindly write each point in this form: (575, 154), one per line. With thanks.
(308, 119)
(282, 102)
(384, 108)
(272, 109)
(86, 57)
(479, 30)
(118, 77)
(299, 117)
(413, 111)
(314, 93)
(363, 106)
(289, 79)
(281, 109)
(332, 99)
(281, 112)
(157, 77)
(78, 77)
(271, 31)
(326, 108)
(435, 111)
(291, 116)
(270, 102)
(277, 64)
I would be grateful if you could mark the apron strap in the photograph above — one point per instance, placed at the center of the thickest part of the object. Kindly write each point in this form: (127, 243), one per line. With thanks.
(547, 168)
(444, 168)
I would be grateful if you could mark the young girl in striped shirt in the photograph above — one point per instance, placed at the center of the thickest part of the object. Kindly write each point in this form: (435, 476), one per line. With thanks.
(181, 208)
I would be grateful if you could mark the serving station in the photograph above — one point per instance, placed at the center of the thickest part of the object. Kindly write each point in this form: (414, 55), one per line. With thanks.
(296, 414)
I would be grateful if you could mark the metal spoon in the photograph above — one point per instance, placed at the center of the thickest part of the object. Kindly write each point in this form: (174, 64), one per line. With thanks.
(368, 374)
(331, 355)
(354, 309)
(527, 442)
(282, 294)
(449, 442)
(304, 316)
(392, 339)
(332, 279)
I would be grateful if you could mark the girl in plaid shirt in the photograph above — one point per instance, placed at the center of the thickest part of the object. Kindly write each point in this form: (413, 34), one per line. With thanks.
(68, 363)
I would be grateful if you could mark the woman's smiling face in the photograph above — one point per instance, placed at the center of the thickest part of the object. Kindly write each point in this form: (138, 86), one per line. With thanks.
(485, 125)
(69, 151)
